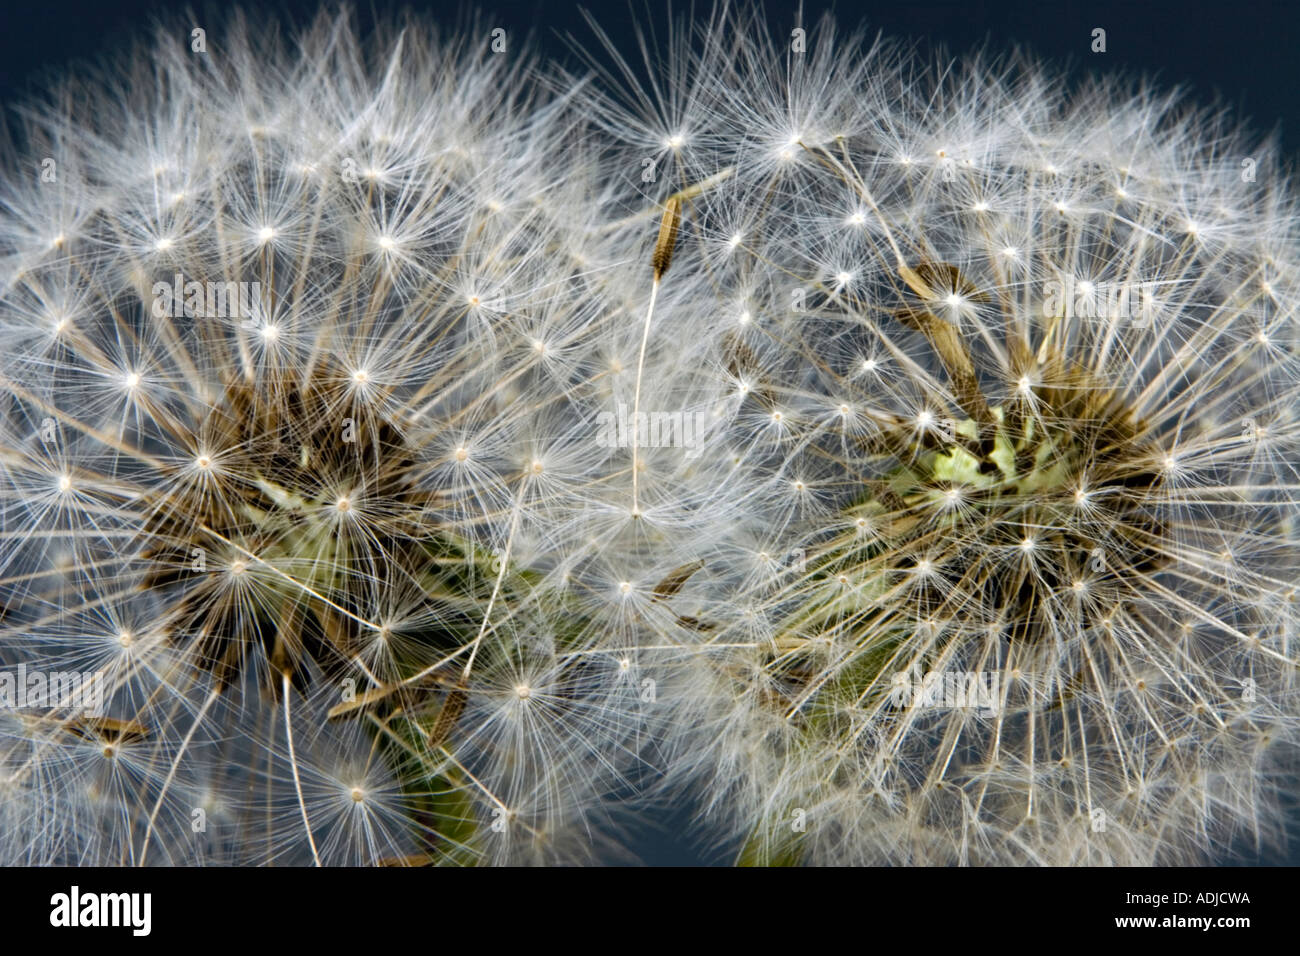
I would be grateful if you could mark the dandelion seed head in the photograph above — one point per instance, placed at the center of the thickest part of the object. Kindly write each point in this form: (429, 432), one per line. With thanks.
(1039, 489)
(368, 532)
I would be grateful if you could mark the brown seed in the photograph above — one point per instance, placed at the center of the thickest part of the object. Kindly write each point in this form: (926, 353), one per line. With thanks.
(668, 226)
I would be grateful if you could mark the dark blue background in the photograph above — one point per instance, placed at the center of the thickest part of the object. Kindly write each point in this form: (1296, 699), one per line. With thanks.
(1243, 50)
